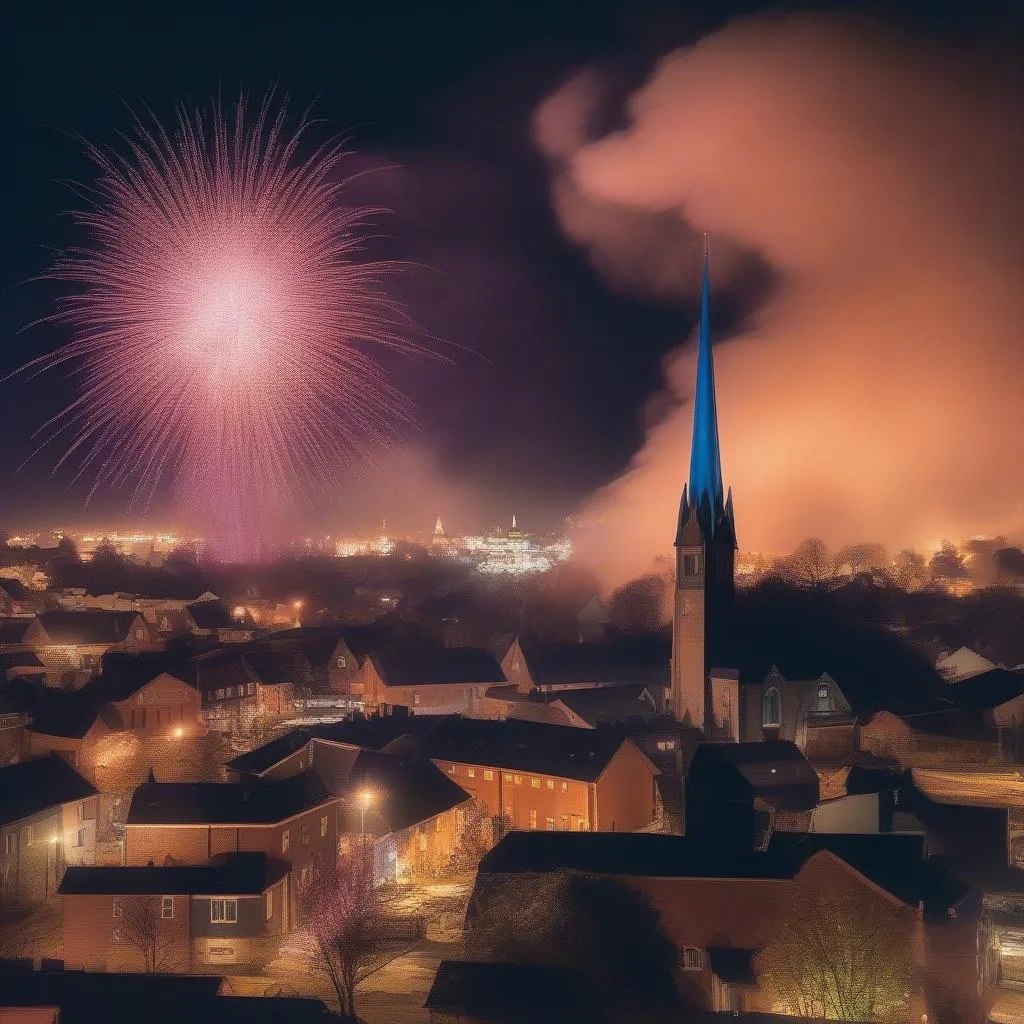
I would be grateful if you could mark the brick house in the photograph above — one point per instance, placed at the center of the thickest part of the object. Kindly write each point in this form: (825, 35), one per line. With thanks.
(554, 667)
(413, 813)
(721, 912)
(293, 819)
(429, 680)
(998, 695)
(47, 820)
(328, 664)
(942, 738)
(534, 776)
(71, 645)
(13, 720)
(191, 919)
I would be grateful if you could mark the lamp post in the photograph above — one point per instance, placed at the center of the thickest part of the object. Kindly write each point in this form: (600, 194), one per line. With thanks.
(364, 799)
(50, 845)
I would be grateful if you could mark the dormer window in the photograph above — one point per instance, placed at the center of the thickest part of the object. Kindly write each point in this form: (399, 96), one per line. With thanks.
(772, 717)
(692, 959)
(825, 702)
(691, 565)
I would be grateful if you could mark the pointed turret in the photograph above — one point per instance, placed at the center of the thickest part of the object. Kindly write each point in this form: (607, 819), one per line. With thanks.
(438, 530)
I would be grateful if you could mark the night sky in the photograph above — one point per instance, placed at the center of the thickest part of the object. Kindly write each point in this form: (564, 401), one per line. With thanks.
(554, 369)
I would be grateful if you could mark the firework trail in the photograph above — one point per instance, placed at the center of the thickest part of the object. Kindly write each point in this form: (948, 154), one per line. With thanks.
(224, 322)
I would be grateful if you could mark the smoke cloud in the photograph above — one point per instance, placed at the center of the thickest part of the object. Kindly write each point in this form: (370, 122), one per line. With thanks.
(874, 395)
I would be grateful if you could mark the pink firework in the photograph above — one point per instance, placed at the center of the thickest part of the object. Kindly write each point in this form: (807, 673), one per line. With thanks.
(225, 323)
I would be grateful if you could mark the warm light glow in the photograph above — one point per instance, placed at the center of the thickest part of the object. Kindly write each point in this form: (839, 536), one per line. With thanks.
(297, 604)
(179, 732)
(365, 798)
(53, 839)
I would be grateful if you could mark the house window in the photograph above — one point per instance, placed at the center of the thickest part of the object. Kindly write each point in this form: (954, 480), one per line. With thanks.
(323, 827)
(565, 822)
(670, 744)
(551, 783)
(772, 708)
(415, 698)
(81, 812)
(691, 565)
(517, 779)
(116, 936)
(166, 908)
(223, 911)
(533, 818)
(438, 824)
(29, 835)
(10, 841)
(471, 772)
(270, 905)
(693, 959)
(220, 693)
(341, 661)
(140, 635)
(508, 778)
(661, 745)
(451, 769)
(550, 824)
(80, 837)
(286, 839)
(304, 876)
(535, 783)
(304, 834)
(116, 909)
(565, 787)
(423, 842)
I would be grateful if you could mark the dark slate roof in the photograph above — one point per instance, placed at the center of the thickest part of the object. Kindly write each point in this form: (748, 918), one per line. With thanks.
(14, 588)
(271, 668)
(601, 705)
(419, 666)
(12, 631)
(774, 769)
(93, 626)
(642, 659)
(317, 643)
(123, 674)
(516, 745)
(988, 690)
(505, 992)
(895, 863)
(257, 761)
(240, 874)
(252, 802)
(733, 966)
(210, 615)
(32, 786)
(70, 714)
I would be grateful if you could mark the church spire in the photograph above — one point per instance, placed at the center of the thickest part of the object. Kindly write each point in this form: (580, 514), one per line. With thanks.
(705, 458)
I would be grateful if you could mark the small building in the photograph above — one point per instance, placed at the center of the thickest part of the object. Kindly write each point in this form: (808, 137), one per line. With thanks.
(191, 919)
(548, 777)
(997, 694)
(47, 820)
(429, 680)
(293, 819)
(71, 645)
(13, 721)
(962, 664)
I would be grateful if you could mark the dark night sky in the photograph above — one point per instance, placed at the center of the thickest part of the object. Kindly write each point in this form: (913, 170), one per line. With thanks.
(550, 405)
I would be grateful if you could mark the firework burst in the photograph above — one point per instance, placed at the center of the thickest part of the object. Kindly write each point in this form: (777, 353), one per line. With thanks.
(224, 321)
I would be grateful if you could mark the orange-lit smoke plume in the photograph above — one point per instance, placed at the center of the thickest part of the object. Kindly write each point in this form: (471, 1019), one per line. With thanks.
(875, 395)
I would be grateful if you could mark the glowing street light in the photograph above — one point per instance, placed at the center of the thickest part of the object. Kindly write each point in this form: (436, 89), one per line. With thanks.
(364, 799)
(179, 732)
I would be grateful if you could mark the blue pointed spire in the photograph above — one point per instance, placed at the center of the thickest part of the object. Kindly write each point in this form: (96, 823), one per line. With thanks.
(705, 459)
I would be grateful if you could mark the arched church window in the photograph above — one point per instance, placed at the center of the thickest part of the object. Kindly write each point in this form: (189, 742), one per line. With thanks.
(825, 699)
(772, 707)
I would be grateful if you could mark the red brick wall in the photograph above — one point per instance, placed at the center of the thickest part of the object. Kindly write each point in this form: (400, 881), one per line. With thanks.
(624, 794)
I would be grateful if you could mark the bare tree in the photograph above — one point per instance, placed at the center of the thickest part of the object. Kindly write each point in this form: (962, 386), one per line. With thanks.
(141, 926)
(812, 564)
(909, 570)
(840, 956)
(862, 558)
(350, 923)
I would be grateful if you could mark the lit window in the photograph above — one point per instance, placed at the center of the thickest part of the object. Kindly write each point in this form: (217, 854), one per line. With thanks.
(535, 783)
(693, 959)
(772, 708)
(415, 698)
(223, 911)
(117, 909)
(565, 822)
(565, 787)
(341, 661)
(550, 823)
(80, 837)
(517, 779)
(438, 824)
(270, 905)
(323, 827)
(286, 839)
(220, 693)
(508, 778)
(533, 818)
(670, 744)
(488, 775)
(304, 834)
(10, 842)
(167, 907)
(471, 772)
(81, 811)
(451, 769)
(116, 936)
(825, 702)
(551, 783)
(662, 745)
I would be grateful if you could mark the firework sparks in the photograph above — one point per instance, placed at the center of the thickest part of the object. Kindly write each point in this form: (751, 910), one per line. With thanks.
(224, 322)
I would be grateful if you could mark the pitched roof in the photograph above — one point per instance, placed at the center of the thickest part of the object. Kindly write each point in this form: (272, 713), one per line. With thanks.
(774, 769)
(610, 704)
(987, 690)
(271, 667)
(639, 659)
(257, 761)
(516, 745)
(241, 874)
(32, 786)
(504, 992)
(405, 666)
(124, 674)
(70, 714)
(210, 615)
(895, 863)
(93, 626)
(14, 588)
(251, 802)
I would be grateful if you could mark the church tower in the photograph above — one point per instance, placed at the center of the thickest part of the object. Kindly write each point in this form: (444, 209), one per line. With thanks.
(705, 548)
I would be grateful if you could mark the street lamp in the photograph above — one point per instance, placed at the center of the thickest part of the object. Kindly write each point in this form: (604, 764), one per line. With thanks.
(179, 732)
(51, 844)
(364, 799)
